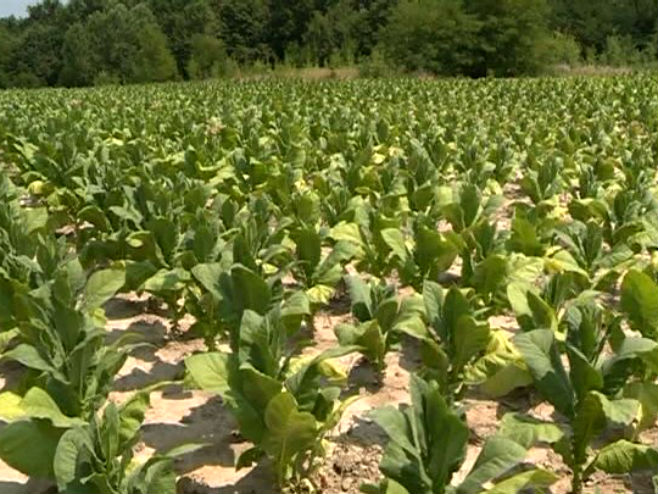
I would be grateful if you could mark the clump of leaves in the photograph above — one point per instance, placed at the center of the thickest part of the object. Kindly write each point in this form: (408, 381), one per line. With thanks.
(382, 316)
(94, 457)
(587, 395)
(227, 291)
(60, 336)
(319, 274)
(427, 445)
(284, 405)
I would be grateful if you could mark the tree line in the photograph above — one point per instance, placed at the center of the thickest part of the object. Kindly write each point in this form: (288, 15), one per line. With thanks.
(88, 42)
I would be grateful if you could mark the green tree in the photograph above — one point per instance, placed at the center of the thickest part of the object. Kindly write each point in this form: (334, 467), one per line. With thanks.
(181, 21)
(372, 18)
(288, 22)
(208, 58)
(7, 43)
(430, 35)
(510, 36)
(243, 29)
(80, 62)
(320, 38)
(36, 59)
(118, 45)
(592, 22)
(153, 62)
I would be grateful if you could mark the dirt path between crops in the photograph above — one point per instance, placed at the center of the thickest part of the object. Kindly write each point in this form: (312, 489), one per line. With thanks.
(181, 416)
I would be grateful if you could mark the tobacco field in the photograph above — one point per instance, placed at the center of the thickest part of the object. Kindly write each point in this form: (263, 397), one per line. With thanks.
(390, 287)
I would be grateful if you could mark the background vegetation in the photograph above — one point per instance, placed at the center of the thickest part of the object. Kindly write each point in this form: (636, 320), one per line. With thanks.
(88, 42)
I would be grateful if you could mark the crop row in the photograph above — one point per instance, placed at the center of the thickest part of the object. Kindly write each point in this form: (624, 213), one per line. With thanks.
(249, 208)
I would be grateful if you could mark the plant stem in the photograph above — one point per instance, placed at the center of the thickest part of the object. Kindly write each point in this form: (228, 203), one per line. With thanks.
(577, 481)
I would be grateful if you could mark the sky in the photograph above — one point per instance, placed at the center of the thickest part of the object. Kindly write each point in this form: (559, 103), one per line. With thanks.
(14, 7)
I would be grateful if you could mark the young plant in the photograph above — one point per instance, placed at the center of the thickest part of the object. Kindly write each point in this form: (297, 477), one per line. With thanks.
(542, 182)
(455, 338)
(30, 254)
(283, 405)
(317, 273)
(429, 255)
(427, 445)
(61, 338)
(587, 395)
(99, 457)
(94, 457)
(381, 317)
(584, 241)
(226, 292)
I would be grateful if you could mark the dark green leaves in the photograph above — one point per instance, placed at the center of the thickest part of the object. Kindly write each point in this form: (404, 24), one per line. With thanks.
(541, 354)
(427, 445)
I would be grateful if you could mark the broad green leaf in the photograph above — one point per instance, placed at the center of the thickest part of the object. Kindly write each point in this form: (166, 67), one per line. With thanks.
(584, 376)
(39, 405)
(29, 446)
(621, 411)
(622, 457)
(447, 436)
(208, 275)
(490, 274)
(294, 310)
(498, 456)
(647, 394)
(167, 281)
(433, 253)
(394, 239)
(531, 311)
(396, 427)
(131, 416)
(101, 287)
(95, 216)
(535, 479)
(500, 370)
(411, 324)
(595, 412)
(165, 234)
(29, 357)
(404, 469)
(541, 355)
(73, 444)
(368, 336)
(360, 297)
(309, 249)
(289, 432)
(639, 300)
(35, 219)
(347, 232)
(210, 371)
(251, 290)
(469, 200)
(500, 380)
(433, 300)
(470, 339)
(528, 431)
(258, 387)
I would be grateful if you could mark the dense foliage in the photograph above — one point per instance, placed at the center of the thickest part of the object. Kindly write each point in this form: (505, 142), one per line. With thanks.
(431, 211)
(87, 42)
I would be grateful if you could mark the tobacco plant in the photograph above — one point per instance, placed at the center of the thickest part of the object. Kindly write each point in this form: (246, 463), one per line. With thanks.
(588, 394)
(427, 445)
